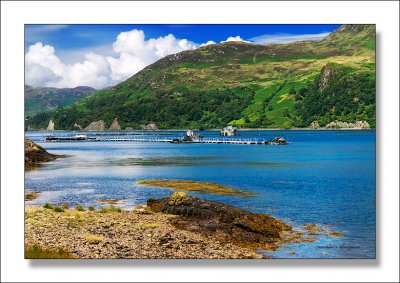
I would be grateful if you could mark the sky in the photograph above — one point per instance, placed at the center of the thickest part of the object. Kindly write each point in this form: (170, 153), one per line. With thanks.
(104, 55)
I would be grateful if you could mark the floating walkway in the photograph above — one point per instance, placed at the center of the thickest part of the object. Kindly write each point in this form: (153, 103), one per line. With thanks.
(249, 141)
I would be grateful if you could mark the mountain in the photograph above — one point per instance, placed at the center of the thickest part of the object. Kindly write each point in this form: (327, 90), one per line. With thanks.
(243, 84)
(42, 99)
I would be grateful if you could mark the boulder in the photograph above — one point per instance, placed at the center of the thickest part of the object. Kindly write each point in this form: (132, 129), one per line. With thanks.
(115, 126)
(35, 153)
(232, 224)
(96, 126)
(314, 125)
(50, 126)
(150, 126)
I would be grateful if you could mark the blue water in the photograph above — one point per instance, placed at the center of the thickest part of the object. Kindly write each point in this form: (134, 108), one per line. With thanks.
(324, 177)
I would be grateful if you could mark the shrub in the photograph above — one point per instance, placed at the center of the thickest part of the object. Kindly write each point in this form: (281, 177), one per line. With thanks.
(48, 206)
(80, 208)
(58, 209)
(91, 208)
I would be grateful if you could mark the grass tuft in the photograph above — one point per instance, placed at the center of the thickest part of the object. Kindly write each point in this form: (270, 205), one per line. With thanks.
(48, 206)
(93, 239)
(58, 209)
(36, 252)
(79, 208)
(111, 208)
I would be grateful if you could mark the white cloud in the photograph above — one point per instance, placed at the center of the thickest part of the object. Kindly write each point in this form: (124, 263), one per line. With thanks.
(285, 38)
(207, 43)
(133, 53)
(44, 68)
(235, 38)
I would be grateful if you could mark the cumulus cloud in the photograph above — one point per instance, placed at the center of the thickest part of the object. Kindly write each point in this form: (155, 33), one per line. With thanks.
(42, 66)
(286, 38)
(235, 38)
(134, 52)
(207, 43)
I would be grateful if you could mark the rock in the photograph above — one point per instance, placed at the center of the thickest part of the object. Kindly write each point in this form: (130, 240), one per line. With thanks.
(235, 225)
(35, 153)
(96, 126)
(129, 128)
(79, 127)
(345, 125)
(50, 126)
(314, 125)
(324, 79)
(114, 126)
(149, 127)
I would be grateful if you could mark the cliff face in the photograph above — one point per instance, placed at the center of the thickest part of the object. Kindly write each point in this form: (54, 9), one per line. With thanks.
(96, 126)
(50, 127)
(115, 126)
(345, 125)
(324, 80)
(35, 153)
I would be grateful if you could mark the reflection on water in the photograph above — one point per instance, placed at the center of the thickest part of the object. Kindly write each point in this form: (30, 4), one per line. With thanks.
(160, 161)
(325, 177)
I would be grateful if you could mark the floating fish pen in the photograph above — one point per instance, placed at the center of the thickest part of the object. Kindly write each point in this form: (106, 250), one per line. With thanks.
(184, 140)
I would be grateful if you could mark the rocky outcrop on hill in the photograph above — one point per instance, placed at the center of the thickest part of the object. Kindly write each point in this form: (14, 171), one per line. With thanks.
(35, 153)
(149, 127)
(230, 223)
(324, 79)
(96, 126)
(314, 125)
(345, 125)
(115, 126)
(50, 126)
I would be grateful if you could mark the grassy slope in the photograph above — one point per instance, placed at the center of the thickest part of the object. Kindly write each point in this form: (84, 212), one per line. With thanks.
(42, 99)
(260, 77)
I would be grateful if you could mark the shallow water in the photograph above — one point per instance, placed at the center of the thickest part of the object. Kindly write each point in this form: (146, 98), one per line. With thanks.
(324, 177)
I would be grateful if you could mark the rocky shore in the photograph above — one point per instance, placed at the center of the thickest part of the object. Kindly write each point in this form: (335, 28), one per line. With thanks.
(34, 153)
(178, 226)
(175, 227)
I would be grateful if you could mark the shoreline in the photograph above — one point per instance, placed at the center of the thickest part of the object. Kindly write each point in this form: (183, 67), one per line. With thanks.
(175, 227)
(135, 234)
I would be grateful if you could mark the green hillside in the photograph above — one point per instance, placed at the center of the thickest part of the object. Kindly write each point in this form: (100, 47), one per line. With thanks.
(42, 99)
(243, 84)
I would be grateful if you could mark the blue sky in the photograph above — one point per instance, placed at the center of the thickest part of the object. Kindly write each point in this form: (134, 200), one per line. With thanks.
(66, 45)
(69, 37)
